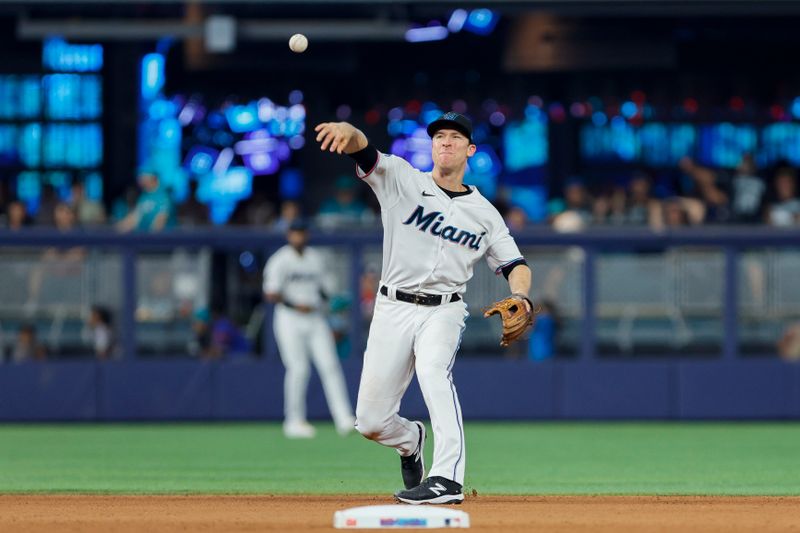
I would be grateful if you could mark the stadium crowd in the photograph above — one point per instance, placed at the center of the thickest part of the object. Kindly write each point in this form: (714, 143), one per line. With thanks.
(698, 196)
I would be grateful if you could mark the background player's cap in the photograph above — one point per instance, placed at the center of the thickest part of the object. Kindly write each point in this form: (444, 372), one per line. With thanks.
(454, 121)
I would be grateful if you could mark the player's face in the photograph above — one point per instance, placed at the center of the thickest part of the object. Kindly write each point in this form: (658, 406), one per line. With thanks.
(451, 149)
(297, 238)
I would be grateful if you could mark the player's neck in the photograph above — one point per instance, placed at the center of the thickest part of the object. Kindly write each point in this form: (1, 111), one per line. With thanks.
(452, 181)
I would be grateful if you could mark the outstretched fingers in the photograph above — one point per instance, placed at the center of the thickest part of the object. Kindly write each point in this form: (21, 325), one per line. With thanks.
(332, 137)
(340, 144)
(325, 135)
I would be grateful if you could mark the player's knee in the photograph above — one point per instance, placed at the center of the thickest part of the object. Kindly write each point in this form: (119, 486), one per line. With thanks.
(371, 432)
(431, 376)
(328, 367)
(299, 370)
(370, 426)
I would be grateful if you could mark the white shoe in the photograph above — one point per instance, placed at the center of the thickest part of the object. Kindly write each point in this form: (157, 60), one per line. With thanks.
(299, 430)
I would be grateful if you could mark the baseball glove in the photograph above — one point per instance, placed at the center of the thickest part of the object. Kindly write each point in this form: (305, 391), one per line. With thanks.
(515, 315)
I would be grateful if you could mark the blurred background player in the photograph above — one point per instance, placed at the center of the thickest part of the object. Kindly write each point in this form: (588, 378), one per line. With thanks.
(295, 280)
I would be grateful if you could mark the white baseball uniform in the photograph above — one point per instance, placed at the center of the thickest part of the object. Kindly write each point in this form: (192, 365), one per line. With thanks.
(431, 243)
(300, 280)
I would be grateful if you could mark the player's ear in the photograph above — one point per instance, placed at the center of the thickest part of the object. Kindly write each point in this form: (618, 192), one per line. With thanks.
(471, 150)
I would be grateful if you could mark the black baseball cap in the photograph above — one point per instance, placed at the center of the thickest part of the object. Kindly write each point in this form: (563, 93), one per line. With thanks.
(454, 121)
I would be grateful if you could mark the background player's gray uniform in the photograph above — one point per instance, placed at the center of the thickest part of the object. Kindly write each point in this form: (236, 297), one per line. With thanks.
(305, 337)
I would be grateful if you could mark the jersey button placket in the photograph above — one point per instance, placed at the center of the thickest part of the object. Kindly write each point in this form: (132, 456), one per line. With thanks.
(440, 249)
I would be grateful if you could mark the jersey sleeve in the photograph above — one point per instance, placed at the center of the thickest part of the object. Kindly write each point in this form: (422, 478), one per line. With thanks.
(386, 178)
(502, 249)
(273, 275)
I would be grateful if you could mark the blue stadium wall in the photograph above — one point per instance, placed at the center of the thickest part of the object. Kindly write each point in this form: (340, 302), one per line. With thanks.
(151, 390)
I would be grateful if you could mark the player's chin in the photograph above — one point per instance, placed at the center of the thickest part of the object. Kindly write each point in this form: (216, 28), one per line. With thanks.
(446, 162)
(454, 169)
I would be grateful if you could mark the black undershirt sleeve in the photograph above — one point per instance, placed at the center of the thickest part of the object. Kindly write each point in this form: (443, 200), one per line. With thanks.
(366, 158)
(511, 266)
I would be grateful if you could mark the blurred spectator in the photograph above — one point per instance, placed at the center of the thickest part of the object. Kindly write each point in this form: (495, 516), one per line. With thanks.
(680, 212)
(569, 222)
(89, 212)
(290, 211)
(58, 267)
(344, 210)
(64, 217)
(200, 343)
(789, 343)
(609, 207)
(154, 209)
(516, 219)
(157, 301)
(785, 211)
(543, 338)
(575, 212)
(125, 204)
(634, 207)
(27, 347)
(17, 216)
(641, 208)
(738, 199)
(747, 192)
(100, 332)
(339, 321)
(259, 211)
(193, 212)
(47, 206)
(216, 336)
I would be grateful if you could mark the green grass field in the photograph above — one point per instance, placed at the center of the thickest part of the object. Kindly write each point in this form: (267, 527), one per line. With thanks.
(503, 458)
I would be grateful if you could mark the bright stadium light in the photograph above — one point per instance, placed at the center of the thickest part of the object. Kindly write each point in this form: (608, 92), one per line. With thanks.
(429, 33)
(152, 75)
(481, 21)
(457, 20)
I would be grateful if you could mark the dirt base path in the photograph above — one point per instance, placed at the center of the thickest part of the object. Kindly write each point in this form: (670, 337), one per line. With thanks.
(617, 514)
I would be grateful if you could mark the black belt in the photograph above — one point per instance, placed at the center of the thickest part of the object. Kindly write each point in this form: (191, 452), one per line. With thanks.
(418, 297)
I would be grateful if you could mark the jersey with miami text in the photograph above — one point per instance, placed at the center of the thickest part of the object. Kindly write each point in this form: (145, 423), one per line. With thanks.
(431, 241)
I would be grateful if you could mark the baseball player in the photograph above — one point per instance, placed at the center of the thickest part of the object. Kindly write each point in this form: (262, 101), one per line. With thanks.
(294, 279)
(435, 230)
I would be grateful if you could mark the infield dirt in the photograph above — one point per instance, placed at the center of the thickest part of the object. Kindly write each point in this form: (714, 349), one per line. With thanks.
(156, 514)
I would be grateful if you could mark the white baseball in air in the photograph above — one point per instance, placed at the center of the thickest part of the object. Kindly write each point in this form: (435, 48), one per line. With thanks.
(298, 43)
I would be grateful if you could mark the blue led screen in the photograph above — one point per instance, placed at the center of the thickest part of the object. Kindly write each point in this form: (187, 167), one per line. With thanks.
(50, 123)
(663, 144)
(20, 97)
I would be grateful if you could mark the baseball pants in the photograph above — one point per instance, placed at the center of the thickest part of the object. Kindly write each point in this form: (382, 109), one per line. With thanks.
(404, 338)
(303, 338)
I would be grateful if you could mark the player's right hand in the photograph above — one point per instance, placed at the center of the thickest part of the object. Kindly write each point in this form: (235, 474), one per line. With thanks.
(340, 137)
